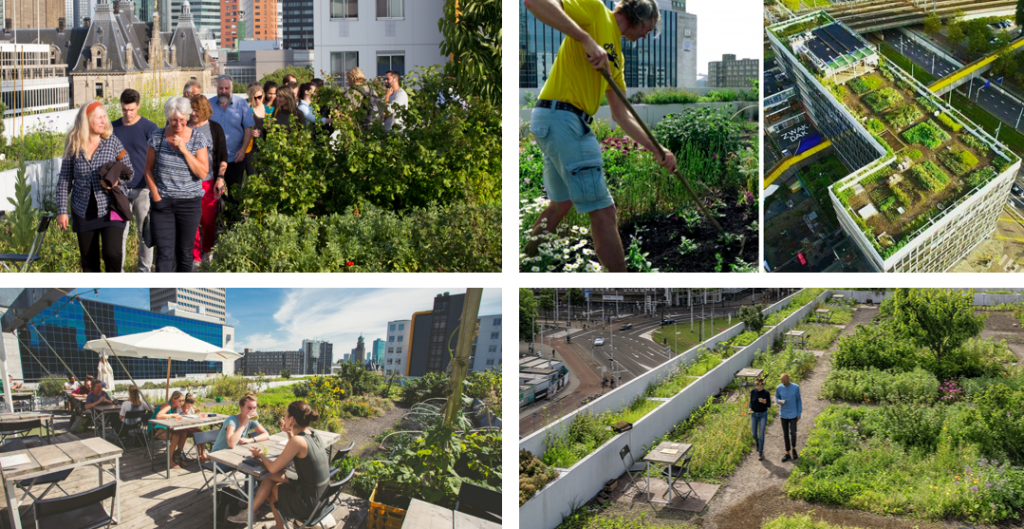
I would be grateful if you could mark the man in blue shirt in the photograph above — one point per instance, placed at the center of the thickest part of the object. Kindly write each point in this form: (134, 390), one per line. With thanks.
(134, 132)
(233, 114)
(791, 406)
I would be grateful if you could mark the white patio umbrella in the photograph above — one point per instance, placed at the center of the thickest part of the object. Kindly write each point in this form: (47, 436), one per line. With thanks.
(169, 342)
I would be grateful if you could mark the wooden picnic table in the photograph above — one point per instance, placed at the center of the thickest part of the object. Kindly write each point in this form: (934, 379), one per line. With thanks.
(423, 515)
(824, 315)
(240, 460)
(796, 337)
(196, 421)
(45, 419)
(21, 396)
(47, 459)
(749, 372)
(666, 453)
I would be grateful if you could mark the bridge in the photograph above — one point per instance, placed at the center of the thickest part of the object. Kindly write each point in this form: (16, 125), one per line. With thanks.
(867, 16)
(973, 69)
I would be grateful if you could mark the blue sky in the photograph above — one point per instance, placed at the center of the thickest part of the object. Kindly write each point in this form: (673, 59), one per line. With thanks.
(722, 28)
(278, 319)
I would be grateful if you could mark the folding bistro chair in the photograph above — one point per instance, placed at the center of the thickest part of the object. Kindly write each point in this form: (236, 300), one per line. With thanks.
(136, 431)
(681, 471)
(480, 502)
(83, 510)
(325, 506)
(338, 456)
(31, 256)
(18, 428)
(206, 438)
(633, 467)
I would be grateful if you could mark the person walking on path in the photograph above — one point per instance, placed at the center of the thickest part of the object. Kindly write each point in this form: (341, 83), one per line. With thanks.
(233, 114)
(134, 132)
(561, 119)
(760, 401)
(90, 146)
(791, 406)
(177, 162)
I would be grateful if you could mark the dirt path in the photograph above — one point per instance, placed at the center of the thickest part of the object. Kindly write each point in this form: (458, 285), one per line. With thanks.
(745, 497)
(1001, 325)
(363, 430)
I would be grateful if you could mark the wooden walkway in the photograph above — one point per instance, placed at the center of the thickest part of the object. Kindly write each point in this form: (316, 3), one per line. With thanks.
(148, 500)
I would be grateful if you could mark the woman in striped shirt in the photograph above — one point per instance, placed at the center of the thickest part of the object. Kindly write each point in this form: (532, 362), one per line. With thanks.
(177, 162)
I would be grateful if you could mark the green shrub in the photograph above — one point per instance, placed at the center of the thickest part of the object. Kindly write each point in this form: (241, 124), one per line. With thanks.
(949, 123)
(874, 385)
(461, 237)
(230, 387)
(753, 318)
(973, 142)
(903, 116)
(285, 374)
(929, 176)
(900, 195)
(959, 163)
(926, 133)
(800, 521)
(883, 99)
(702, 132)
(914, 154)
(865, 83)
(875, 125)
(300, 390)
(51, 386)
(875, 346)
(744, 338)
(533, 476)
(927, 103)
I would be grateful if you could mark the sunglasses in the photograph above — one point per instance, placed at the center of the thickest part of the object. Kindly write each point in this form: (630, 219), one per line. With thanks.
(259, 96)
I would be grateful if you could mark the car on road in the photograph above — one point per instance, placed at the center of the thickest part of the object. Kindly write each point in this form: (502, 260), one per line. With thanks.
(667, 321)
(1016, 190)
(626, 327)
(599, 341)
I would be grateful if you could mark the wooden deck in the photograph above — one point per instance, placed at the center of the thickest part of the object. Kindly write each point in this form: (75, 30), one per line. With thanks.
(148, 500)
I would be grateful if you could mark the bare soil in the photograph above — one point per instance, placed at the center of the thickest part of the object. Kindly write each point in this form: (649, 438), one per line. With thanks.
(1001, 325)
(362, 430)
(660, 238)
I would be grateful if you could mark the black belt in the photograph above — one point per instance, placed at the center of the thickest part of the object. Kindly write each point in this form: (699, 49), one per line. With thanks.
(561, 105)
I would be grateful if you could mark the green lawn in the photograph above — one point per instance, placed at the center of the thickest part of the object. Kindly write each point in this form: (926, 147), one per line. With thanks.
(687, 339)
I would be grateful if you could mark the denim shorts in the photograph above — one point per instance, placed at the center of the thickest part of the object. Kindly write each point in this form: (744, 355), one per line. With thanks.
(572, 160)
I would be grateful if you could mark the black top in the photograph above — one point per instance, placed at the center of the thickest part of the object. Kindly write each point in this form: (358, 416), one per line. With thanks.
(756, 406)
(220, 147)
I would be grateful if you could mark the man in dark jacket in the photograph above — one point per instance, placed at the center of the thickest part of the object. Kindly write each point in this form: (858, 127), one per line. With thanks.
(134, 132)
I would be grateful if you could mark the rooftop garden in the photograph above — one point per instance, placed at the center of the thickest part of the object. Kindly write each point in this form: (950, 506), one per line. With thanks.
(937, 161)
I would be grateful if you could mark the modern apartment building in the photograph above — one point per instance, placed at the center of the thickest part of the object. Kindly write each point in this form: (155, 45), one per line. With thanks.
(487, 344)
(668, 61)
(270, 363)
(730, 72)
(205, 16)
(231, 17)
(908, 205)
(297, 24)
(260, 19)
(317, 357)
(32, 82)
(377, 355)
(375, 35)
(397, 344)
(211, 302)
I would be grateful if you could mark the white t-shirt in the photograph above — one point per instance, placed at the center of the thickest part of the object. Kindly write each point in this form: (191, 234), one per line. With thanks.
(126, 407)
(71, 386)
(401, 98)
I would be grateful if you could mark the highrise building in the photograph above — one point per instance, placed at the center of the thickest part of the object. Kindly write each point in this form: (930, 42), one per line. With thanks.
(260, 19)
(359, 353)
(317, 357)
(230, 16)
(211, 302)
(297, 31)
(487, 344)
(397, 337)
(205, 16)
(270, 363)
(730, 72)
(377, 356)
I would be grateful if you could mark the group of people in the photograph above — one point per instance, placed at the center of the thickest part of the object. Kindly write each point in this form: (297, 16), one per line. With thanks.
(294, 496)
(791, 407)
(174, 182)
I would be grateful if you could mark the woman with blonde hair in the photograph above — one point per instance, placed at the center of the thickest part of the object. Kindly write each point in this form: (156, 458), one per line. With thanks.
(89, 147)
(176, 164)
(285, 108)
(257, 101)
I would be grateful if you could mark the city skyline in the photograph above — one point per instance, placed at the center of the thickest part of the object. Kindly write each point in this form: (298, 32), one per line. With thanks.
(299, 314)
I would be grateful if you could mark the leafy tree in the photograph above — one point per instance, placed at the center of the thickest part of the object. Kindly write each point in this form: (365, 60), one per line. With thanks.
(527, 313)
(941, 320)
(932, 24)
(302, 74)
(576, 297)
(285, 373)
(19, 228)
(753, 316)
(954, 30)
(472, 38)
(547, 300)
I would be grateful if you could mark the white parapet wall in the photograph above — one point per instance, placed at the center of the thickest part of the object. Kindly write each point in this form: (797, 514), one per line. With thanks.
(584, 480)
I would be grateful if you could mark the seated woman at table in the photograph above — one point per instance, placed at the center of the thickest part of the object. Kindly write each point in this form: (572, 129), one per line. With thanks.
(242, 428)
(171, 410)
(296, 498)
(189, 408)
(134, 403)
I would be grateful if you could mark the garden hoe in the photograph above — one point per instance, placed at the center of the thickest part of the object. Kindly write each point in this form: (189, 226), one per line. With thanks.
(657, 147)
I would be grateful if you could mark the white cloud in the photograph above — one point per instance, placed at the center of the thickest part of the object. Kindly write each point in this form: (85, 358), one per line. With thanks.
(341, 315)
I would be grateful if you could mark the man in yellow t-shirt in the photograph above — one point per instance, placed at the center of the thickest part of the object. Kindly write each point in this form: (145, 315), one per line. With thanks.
(560, 123)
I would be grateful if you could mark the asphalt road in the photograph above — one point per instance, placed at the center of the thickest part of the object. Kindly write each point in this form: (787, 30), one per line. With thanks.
(990, 99)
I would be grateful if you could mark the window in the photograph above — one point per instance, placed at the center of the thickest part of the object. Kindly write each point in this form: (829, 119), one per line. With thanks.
(401, 326)
(391, 350)
(398, 351)
(490, 361)
(389, 361)
(392, 327)
(400, 338)
(341, 62)
(497, 322)
(99, 90)
(344, 9)
(391, 338)
(492, 349)
(398, 361)
(390, 9)
(495, 335)
(396, 63)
